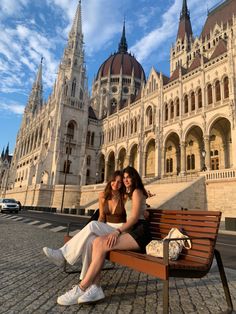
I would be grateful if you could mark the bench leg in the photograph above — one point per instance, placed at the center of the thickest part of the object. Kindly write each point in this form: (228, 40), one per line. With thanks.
(165, 296)
(223, 279)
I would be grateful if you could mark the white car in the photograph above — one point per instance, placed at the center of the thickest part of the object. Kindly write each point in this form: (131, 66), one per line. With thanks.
(9, 205)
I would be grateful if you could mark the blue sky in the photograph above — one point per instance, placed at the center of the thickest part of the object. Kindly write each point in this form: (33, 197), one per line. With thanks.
(30, 29)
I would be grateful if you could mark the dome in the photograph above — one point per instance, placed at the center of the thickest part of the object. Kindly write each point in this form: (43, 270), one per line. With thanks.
(124, 61)
(121, 60)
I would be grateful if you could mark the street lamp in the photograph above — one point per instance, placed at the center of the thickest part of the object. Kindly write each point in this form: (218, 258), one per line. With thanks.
(204, 168)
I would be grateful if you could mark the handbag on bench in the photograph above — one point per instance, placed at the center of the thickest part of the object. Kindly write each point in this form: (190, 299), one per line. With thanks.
(155, 247)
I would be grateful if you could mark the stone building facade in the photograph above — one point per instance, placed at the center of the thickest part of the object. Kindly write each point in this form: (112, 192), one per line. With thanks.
(163, 126)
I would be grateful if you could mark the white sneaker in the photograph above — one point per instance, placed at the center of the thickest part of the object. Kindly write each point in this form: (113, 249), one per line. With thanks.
(70, 297)
(55, 256)
(92, 294)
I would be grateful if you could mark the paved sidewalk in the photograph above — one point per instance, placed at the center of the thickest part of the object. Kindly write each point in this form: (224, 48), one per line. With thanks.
(30, 284)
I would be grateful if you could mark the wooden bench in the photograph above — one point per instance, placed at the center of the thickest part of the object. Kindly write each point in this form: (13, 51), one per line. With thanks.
(201, 227)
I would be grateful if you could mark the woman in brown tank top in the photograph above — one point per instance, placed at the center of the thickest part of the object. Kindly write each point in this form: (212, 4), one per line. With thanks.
(111, 201)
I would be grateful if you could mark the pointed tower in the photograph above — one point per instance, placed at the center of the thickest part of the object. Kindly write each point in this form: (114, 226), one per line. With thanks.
(123, 47)
(36, 97)
(6, 152)
(2, 154)
(184, 40)
(71, 99)
(185, 27)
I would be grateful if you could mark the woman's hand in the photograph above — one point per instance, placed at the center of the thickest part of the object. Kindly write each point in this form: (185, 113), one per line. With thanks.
(112, 239)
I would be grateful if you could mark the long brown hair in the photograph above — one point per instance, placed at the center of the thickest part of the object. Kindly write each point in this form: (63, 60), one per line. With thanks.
(136, 182)
(108, 189)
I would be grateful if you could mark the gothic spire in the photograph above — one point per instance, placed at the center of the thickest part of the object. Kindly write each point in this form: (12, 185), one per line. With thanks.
(2, 154)
(185, 27)
(77, 23)
(6, 152)
(123, 47)
(185, 11)
(36, 96)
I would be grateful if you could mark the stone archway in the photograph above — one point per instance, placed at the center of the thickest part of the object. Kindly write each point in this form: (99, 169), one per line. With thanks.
(172, 156)
(150, 159)
(110, 165)
(194, 147)
(220, 144)
(134, 157)
(121, 163)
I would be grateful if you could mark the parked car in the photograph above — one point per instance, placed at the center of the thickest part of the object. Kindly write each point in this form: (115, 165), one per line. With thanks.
(9, 205)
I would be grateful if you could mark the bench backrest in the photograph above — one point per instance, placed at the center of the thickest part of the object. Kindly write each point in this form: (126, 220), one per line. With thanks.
(202, 225)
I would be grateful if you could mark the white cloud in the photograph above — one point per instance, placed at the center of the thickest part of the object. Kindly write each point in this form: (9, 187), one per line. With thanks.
(157, 37)
(12, 108)
(11, 7)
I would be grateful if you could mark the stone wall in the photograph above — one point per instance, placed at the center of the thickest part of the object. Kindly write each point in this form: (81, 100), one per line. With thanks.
(192, 197)
(221, 195)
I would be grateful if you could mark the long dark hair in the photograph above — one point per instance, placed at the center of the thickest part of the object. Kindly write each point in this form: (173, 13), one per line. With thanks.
(136, 181)
(108, 189)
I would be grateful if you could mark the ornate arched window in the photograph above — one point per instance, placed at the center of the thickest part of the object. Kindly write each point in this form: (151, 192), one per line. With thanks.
(209, 94)
(192, 101)
(186, 104)
(226, 87)
(135, 125)
(149, 115)
(73, 88)
(88, 160)
(171, 110)
(199, 98)
(177, 107)
(71, 129)
(166, 112)
(217, 91)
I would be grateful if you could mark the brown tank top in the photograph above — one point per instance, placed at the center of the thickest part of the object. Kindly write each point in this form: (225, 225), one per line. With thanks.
(119, 214)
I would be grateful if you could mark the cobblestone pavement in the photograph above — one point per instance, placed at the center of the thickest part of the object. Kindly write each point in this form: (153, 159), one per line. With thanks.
(30, 284)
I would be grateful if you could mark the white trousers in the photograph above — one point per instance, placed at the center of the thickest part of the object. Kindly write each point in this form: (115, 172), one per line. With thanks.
(81, 243)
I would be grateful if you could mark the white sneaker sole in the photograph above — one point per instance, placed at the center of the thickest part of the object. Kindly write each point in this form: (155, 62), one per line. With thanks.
(68, 304)
(91, 301)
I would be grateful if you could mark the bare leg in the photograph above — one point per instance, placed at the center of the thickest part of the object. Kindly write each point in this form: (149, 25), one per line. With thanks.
(124, 242)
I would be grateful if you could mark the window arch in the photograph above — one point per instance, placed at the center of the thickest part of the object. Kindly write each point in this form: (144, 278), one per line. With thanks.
(192, 101)
(73, 88)
(186, 104)
(92, 139)
(226, 87)
(209, 94)
(199, 98)
(166, 112)
(71, 129)
(88, 160)
(217, 90)
(171, 110)
(177, 107)
(135, 125)
(149, 115)
(131, 126)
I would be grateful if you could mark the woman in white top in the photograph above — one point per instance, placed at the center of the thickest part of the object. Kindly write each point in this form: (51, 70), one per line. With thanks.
(132, 235)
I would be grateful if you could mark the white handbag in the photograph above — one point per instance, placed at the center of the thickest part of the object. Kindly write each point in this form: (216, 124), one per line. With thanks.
(155, 247)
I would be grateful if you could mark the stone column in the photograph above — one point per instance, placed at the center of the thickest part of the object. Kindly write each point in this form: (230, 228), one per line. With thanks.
(208, 152)
(183, 158)
(163, 161)
(105, 172)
